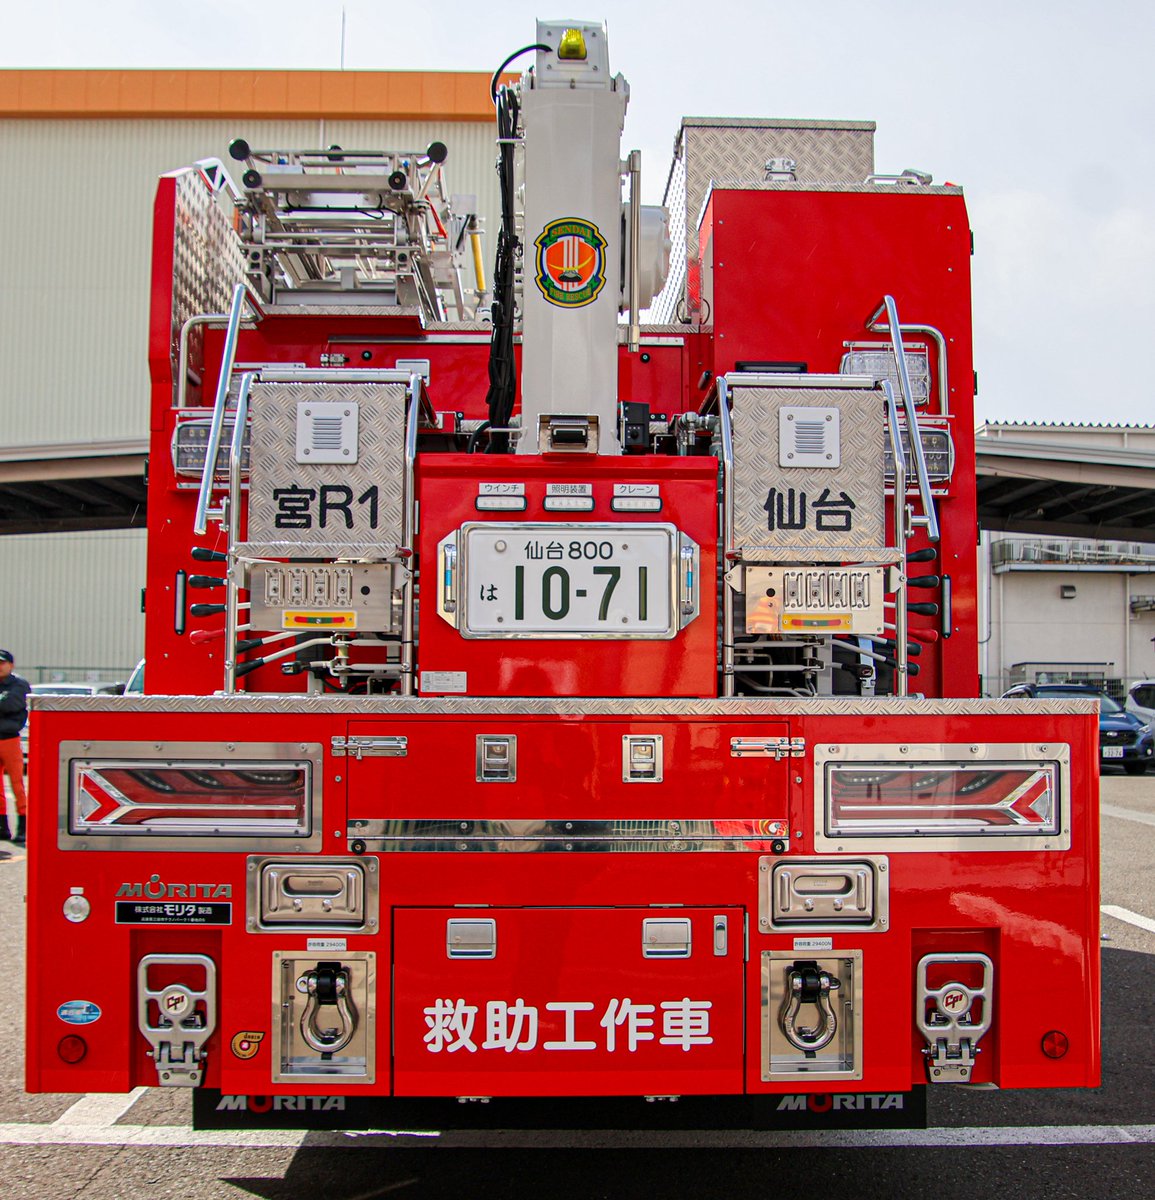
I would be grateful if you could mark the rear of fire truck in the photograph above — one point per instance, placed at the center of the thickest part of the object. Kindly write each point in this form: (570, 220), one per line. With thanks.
(543, 704)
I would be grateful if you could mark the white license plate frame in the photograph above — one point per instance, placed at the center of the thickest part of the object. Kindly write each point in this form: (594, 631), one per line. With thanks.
(1111, 751)
(611, 581)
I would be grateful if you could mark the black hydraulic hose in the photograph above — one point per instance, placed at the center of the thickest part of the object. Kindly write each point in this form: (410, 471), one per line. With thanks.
(475, 437)
(515, 54)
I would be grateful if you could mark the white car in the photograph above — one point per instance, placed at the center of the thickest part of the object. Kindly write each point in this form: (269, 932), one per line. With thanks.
(67, 689)
(1141, 699)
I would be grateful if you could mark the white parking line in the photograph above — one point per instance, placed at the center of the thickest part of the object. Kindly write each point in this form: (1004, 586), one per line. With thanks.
(1127, 814)
(99, 1109)
(1132, 918)
(129, 1136)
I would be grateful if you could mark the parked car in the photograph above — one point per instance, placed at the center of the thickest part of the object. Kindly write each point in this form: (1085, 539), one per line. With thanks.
(68, 689)
(135, 684)
(1141, 699)
(1124, 738)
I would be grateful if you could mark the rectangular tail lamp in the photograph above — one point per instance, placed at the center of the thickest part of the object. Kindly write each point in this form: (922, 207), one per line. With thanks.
(194, 796)
(933, 797)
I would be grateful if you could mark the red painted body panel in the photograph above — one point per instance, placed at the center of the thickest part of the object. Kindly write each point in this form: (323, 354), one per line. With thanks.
(796, 273)
(683, 666)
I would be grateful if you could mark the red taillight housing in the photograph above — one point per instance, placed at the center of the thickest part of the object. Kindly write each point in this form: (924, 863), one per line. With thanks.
(72, 1048)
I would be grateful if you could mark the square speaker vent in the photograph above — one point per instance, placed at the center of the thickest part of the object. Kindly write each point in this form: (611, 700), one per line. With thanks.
(808, 437)
(326, 432)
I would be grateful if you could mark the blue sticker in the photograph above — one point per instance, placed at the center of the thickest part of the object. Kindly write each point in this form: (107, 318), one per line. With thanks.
(79, 1012)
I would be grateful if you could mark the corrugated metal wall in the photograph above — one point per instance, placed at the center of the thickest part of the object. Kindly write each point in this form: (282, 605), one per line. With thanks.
(76, 243)
(70, 603)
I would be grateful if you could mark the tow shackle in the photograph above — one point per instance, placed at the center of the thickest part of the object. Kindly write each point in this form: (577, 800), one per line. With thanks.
(806, 984)
(327, 987)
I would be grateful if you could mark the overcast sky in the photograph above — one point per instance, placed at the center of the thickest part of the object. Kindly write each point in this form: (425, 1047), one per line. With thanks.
(1044, 112)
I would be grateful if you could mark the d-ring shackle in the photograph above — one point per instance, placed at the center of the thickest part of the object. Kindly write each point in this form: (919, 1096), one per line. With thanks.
(328, 987)
(806, 984)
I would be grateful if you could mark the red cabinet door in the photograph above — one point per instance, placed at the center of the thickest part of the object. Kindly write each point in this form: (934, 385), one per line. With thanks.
(568, 1001)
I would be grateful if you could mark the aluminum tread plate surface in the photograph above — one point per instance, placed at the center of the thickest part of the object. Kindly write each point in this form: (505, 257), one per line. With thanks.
(380, 464)
(207, 261)
(405, 706)
(757, 476)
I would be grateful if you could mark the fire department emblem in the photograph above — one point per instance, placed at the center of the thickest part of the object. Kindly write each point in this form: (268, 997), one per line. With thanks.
(247, 1043)
(571, 262)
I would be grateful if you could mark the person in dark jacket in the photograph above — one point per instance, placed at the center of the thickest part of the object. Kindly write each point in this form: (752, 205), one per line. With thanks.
(13, 714)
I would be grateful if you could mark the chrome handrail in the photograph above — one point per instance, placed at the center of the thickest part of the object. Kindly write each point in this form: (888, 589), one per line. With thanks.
(233, 518)
(633, 340)
(930, 516)
(417, 401)
(901, 653)
(938, 337)
(726, 432)
(242, 294)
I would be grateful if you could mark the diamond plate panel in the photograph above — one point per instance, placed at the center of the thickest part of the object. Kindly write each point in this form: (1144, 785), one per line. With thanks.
(388, 707)
(207, 263)
(303, 510)
(811, 498)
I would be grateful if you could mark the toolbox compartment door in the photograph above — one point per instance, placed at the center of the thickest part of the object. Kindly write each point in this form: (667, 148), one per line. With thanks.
(568, 1001)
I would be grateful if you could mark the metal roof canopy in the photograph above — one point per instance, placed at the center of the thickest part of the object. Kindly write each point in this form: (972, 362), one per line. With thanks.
(1088, 481)
(70, 487)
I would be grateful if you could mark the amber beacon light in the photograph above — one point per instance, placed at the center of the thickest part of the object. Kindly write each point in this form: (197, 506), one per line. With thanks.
(572, 44)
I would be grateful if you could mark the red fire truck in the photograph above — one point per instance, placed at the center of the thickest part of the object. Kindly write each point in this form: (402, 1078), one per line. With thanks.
(543, 704)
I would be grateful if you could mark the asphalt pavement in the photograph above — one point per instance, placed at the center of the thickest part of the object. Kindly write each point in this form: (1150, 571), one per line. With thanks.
(979, 1144)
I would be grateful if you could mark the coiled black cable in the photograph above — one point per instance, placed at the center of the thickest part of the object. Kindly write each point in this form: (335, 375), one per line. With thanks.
(502, 364)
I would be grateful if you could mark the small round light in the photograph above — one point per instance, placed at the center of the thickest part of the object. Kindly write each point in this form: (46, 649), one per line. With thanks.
(72, 1048)
(1055, 1044)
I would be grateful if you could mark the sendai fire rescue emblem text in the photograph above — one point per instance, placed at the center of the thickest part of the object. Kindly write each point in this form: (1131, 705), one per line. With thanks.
(570, 262)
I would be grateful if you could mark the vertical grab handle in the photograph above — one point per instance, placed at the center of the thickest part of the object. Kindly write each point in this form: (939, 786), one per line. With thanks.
(234, 575)
(635, 331)
(901, 649)
(930, 517)
(241, 296)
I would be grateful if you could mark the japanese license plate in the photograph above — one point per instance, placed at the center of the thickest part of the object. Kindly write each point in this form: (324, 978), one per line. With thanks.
(1111, 751)
(823, 600)
(554, 580)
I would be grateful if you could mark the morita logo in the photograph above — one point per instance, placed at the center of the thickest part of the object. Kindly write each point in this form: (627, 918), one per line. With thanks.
(155, 890)
(845, 1102)
(264, 1104)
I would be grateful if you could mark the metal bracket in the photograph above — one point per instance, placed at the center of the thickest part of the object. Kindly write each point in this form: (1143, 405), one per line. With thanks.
(777, 748)
(178, 1037)
(951, 1033)
(370, 747)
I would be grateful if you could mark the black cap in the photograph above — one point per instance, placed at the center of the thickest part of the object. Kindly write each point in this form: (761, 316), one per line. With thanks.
(6, 656)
